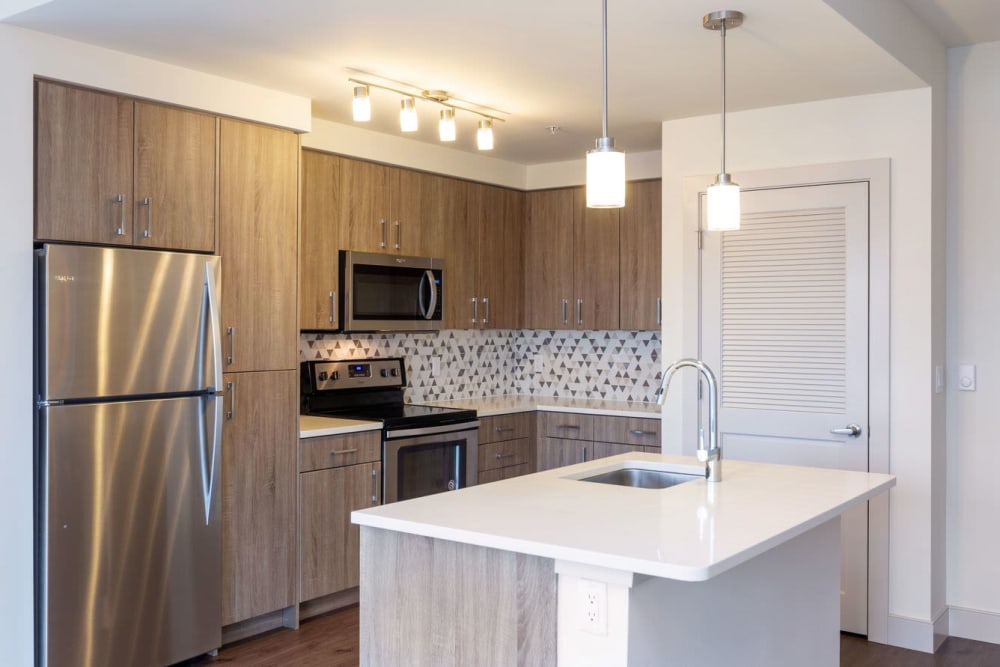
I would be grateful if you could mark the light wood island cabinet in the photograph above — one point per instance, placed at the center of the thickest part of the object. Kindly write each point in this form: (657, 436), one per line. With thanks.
(115, 171)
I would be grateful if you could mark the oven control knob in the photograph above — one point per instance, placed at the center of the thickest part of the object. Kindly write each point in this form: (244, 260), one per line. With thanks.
(385, 372)
(335, 375)
(322, 376)
(395, 372)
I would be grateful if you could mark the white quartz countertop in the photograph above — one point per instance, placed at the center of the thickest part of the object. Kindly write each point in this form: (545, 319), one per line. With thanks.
(689, 532)
(314, 427)
(501, 405)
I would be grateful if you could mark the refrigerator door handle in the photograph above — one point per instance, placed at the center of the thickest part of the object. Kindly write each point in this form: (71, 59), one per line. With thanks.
(214, 324)
(210, 456)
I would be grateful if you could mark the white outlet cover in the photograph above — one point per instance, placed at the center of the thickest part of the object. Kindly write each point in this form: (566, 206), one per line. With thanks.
(594, 607)
(967, 377)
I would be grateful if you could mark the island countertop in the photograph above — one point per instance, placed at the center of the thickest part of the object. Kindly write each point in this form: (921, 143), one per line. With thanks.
(690, 532)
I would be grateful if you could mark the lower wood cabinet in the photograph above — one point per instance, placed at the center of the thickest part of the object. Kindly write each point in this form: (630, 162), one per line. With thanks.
(258, 493)
(505, 446)
(566, 438)
(559, 452)
(339, 474)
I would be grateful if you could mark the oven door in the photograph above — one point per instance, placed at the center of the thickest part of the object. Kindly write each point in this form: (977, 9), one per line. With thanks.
(421, 461)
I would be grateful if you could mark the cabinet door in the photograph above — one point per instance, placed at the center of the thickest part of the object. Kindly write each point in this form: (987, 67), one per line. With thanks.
(605, 449)
(548, 260)
(596, 279)
(497, 474)
(330, 543)
(258, 209)
(259, 439)
(83, 165)
(418, 205)
(461, 261)
(556, 452)
(641, 305)
(364, 206)
(501, 252)
(174, 181)
(319, 261)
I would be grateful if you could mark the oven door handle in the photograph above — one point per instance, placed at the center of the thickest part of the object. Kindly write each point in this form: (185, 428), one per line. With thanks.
(427, 311)
(431, 430)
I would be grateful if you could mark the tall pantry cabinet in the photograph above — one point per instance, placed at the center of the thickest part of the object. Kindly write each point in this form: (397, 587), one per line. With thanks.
(258, 193)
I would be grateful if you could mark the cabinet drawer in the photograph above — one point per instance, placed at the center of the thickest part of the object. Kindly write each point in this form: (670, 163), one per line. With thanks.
(501, 454)
(570, 425)
(497, 474)
(505, 427)
(332, 451)
(628, 430)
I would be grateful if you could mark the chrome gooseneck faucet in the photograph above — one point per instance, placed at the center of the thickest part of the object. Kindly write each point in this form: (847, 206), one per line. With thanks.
(711, 457)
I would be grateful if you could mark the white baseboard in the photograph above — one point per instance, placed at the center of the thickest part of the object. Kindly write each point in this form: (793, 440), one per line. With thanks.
(982, 626)
(911, 633)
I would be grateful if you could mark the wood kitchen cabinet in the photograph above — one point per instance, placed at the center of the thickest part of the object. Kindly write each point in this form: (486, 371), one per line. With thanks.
(505, 446)
(338, 474)
(111, 170)
(258, 207)
(259, 432)
(319, 259)
(548, 260)
(566, 438)
(596, 281)
(641, 257)
(559, 452)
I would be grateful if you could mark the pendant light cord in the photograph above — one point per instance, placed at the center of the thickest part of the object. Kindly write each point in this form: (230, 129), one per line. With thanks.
(723, 31)
(604, 53)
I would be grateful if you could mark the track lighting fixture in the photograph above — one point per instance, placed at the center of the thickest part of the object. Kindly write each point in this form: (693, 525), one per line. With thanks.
(484, 135)
(446, 126)
(362, 105)
(408, 115)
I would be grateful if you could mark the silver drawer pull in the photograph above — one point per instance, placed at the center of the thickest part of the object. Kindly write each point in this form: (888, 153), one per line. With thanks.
(504, 429)
(639, 431)
(338, 452)
(504, 456)
(576, 426)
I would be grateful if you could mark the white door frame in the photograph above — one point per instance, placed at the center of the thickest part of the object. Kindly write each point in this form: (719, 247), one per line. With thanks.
(877, 174)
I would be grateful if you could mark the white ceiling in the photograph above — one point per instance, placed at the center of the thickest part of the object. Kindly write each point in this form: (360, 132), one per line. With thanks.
(540, 61)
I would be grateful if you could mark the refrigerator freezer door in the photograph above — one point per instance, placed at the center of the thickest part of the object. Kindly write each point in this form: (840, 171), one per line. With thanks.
(132, 568)
(119, 322)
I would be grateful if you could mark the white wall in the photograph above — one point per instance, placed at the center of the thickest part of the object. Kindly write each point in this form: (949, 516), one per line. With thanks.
(24, 54)
(893, 125)
(973, 322)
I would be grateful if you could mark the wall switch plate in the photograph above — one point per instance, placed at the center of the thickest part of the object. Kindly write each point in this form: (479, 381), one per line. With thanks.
(594, 607)
(967, 377)
(435, 366)
(938, 379)
(539, 363)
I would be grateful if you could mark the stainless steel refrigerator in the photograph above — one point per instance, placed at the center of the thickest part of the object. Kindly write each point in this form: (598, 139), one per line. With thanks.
(127, 447)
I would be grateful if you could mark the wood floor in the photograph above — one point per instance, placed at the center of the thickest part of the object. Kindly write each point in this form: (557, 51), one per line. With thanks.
(331, 640)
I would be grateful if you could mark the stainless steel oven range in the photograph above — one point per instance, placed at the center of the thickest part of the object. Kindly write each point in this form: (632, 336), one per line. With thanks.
(425, 449)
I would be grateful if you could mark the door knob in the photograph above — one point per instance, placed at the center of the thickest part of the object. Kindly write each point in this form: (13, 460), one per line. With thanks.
(852, 430)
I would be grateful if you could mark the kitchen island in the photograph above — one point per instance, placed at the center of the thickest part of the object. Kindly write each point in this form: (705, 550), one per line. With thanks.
(550, 569)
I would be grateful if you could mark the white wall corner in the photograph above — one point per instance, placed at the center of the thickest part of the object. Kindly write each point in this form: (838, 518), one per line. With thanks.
(983, 626)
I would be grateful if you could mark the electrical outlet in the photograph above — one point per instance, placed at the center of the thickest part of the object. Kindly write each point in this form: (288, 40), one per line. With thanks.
(435, 366)
(539, 363)
(594, 607)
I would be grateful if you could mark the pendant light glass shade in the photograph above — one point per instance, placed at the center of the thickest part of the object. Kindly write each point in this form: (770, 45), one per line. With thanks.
(605, 164)
(446, 126)
(362, 104)
(484, 135)
(605, 176)
(723, 205)
(408, 115)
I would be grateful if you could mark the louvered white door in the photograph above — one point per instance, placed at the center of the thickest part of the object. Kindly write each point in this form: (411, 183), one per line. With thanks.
(785, 327)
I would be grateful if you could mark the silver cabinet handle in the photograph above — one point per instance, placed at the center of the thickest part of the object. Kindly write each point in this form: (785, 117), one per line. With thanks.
(564, 320)
(579, 311)
(333, 307)
(231, 412)
(573, 426)
(852, 430)
(385, 232)
(374, 486)
(148, 203)
(486, 304)
(659, 310)
(475, 311)
(583, 455)
(231, 332)
(341, 452)
(120, 200)
(504, 456)
(639, 431)
(399, 235)
(504, 429)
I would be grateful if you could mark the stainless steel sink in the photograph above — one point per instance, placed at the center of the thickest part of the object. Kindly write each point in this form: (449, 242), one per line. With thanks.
(642, 478)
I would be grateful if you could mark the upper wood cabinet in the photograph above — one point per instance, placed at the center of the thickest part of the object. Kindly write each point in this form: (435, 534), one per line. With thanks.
(595, 265)
(364, 206)
(641, 304)
(111, 170)
(461, 261)
(548, 260)
(319, 250)
(258, 205)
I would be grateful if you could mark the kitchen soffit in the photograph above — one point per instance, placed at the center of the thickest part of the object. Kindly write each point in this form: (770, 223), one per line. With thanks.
(540, 61)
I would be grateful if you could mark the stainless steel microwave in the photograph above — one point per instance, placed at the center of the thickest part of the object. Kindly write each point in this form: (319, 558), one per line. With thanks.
(390, 292)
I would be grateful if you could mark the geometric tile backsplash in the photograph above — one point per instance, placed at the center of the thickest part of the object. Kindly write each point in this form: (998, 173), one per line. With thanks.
(618, 365)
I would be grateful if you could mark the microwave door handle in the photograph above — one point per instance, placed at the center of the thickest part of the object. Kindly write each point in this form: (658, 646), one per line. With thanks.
(434, 294)
(420, 295)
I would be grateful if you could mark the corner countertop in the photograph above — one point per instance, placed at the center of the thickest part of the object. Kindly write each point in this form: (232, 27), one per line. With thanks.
(314, 427)
(490, 406)
(690, 532)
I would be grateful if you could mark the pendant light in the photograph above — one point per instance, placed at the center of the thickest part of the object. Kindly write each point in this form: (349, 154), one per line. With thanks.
(362, 107)
(605, 164)
(723, 196)
(408, 115)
